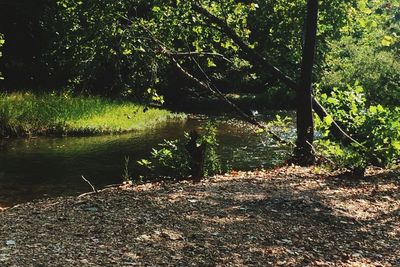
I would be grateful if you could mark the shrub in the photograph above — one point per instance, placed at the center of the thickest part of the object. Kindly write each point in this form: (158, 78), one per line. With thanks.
(375, 127)
(377, 69)
(368, 52)
(172, 159)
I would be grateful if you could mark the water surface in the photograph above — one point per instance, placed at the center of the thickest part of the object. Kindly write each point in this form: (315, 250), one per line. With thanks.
(46, 167)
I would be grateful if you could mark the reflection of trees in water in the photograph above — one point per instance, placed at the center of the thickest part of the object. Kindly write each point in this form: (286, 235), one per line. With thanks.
(55, 165)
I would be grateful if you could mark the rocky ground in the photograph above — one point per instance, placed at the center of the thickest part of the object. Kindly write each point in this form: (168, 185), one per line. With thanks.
(288, 216)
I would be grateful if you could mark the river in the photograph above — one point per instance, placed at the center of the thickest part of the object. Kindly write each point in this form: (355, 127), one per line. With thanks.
(44, 167)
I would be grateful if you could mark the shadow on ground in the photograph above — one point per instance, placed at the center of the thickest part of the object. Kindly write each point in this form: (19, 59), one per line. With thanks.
(287, 217)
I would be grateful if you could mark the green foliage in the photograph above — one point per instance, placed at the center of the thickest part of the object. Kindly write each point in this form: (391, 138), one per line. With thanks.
(368, 53)
(376, 127)
(277, 29)
(367, 58)
(107, 47)
(99, 50)
(112, 44)
(212, 164)
(169, 160)
(29, 114)
(172, 160)
(377, 69)
(281, 123)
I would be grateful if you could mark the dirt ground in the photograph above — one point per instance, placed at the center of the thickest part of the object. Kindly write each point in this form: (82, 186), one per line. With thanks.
(288, 216)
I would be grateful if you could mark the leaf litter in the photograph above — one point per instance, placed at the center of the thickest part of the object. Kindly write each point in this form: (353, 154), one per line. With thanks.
(288, 216)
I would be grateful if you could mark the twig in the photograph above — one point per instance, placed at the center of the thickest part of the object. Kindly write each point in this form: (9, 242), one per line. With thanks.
(89, 183)
(192, 53)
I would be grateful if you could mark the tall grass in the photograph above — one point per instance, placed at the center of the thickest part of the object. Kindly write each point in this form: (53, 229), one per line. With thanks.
(23, 114)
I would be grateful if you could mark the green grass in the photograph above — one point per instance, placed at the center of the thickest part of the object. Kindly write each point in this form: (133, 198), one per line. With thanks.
(25, 114)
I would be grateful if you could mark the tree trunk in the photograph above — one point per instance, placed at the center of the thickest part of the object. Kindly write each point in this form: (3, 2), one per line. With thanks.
(305, 125)
(197, 156)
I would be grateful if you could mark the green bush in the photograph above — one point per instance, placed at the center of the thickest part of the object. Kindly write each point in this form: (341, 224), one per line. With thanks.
(375, 127)
(363, 68)
(376, 68)
(368, 52)
(172, 159)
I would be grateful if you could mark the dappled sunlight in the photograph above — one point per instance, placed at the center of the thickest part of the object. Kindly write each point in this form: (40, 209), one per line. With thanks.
(363, 209)
(249, 197)
(226, 220)
(275, 218)
(369, 199)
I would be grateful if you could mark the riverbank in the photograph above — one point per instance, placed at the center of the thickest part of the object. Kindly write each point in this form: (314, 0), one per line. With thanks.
(288, 216)
(26, 114)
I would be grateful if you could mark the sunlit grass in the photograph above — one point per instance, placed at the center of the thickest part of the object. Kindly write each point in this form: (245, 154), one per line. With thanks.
(29, 114)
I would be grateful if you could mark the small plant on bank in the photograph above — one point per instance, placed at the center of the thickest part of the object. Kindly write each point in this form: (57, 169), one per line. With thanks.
(212, 164)
(126, 176)
(173, 159)
(170, 160)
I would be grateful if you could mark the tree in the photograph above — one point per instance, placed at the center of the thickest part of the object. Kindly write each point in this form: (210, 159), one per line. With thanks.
(95, 34)
(305, 124)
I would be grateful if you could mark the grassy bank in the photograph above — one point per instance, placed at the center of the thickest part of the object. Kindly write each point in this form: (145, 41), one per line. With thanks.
(25, 114)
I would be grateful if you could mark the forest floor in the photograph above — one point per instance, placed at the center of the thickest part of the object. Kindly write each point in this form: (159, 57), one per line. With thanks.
(287, 216)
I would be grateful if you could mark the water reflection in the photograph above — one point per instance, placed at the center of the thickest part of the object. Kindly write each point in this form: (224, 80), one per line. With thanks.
(39, 167)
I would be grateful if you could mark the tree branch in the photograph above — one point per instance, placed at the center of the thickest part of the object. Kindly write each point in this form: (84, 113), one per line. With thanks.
(252, 55)
(192, 53)
(258, 60)
(213, 89)
(222, 97)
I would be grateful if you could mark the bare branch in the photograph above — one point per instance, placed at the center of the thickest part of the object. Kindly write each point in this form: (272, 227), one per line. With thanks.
(192, 53)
